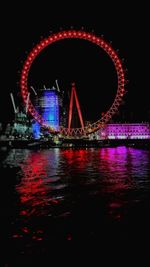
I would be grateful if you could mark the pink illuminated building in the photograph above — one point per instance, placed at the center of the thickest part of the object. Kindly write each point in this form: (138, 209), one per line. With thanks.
(125, 131)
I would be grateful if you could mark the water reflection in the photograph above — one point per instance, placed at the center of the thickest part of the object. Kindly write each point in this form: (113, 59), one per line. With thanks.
(39, 175)
(78, 194)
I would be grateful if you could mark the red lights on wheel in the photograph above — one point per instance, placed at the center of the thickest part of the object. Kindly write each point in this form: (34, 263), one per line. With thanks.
(73, 34)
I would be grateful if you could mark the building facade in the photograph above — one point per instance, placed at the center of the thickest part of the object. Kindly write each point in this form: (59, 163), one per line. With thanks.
(49, 104)
(125, 131)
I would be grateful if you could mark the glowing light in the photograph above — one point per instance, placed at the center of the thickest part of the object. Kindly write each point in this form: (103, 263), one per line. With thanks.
(36, 130)
(50, 109)
(127, 131)
(111, 137)
(90, 37)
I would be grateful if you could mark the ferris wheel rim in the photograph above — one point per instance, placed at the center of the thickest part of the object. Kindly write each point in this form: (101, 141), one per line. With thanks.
(74, 34)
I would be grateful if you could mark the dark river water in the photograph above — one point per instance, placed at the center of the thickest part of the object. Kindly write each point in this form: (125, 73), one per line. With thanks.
(65, 195)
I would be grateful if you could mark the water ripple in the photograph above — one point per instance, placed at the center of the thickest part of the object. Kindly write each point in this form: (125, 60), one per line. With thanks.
(81, 190)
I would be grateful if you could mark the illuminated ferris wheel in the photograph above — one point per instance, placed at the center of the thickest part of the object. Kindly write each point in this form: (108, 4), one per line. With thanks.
(73, 34)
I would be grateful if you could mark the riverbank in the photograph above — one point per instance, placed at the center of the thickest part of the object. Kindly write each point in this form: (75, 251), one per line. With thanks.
(73, 143)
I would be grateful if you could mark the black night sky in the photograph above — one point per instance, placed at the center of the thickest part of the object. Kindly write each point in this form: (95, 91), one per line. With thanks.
(78, 60)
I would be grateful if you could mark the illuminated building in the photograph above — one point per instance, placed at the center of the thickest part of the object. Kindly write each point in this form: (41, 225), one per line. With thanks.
(125, 131)
(21, 126)
(48, 103)
(50, 108)
(36, 129)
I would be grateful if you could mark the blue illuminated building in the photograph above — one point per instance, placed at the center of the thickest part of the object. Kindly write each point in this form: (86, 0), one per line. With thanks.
(36, 129)
(50, 107)
(48, 104)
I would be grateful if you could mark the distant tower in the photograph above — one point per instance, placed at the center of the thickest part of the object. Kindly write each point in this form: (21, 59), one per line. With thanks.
(48, 103)
(73, 111)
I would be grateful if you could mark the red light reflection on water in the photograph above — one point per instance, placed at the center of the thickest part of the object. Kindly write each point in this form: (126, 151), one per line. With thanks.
(34, 188)
(32, 183)
(108, 176)
(35, 193)
(77, 159)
